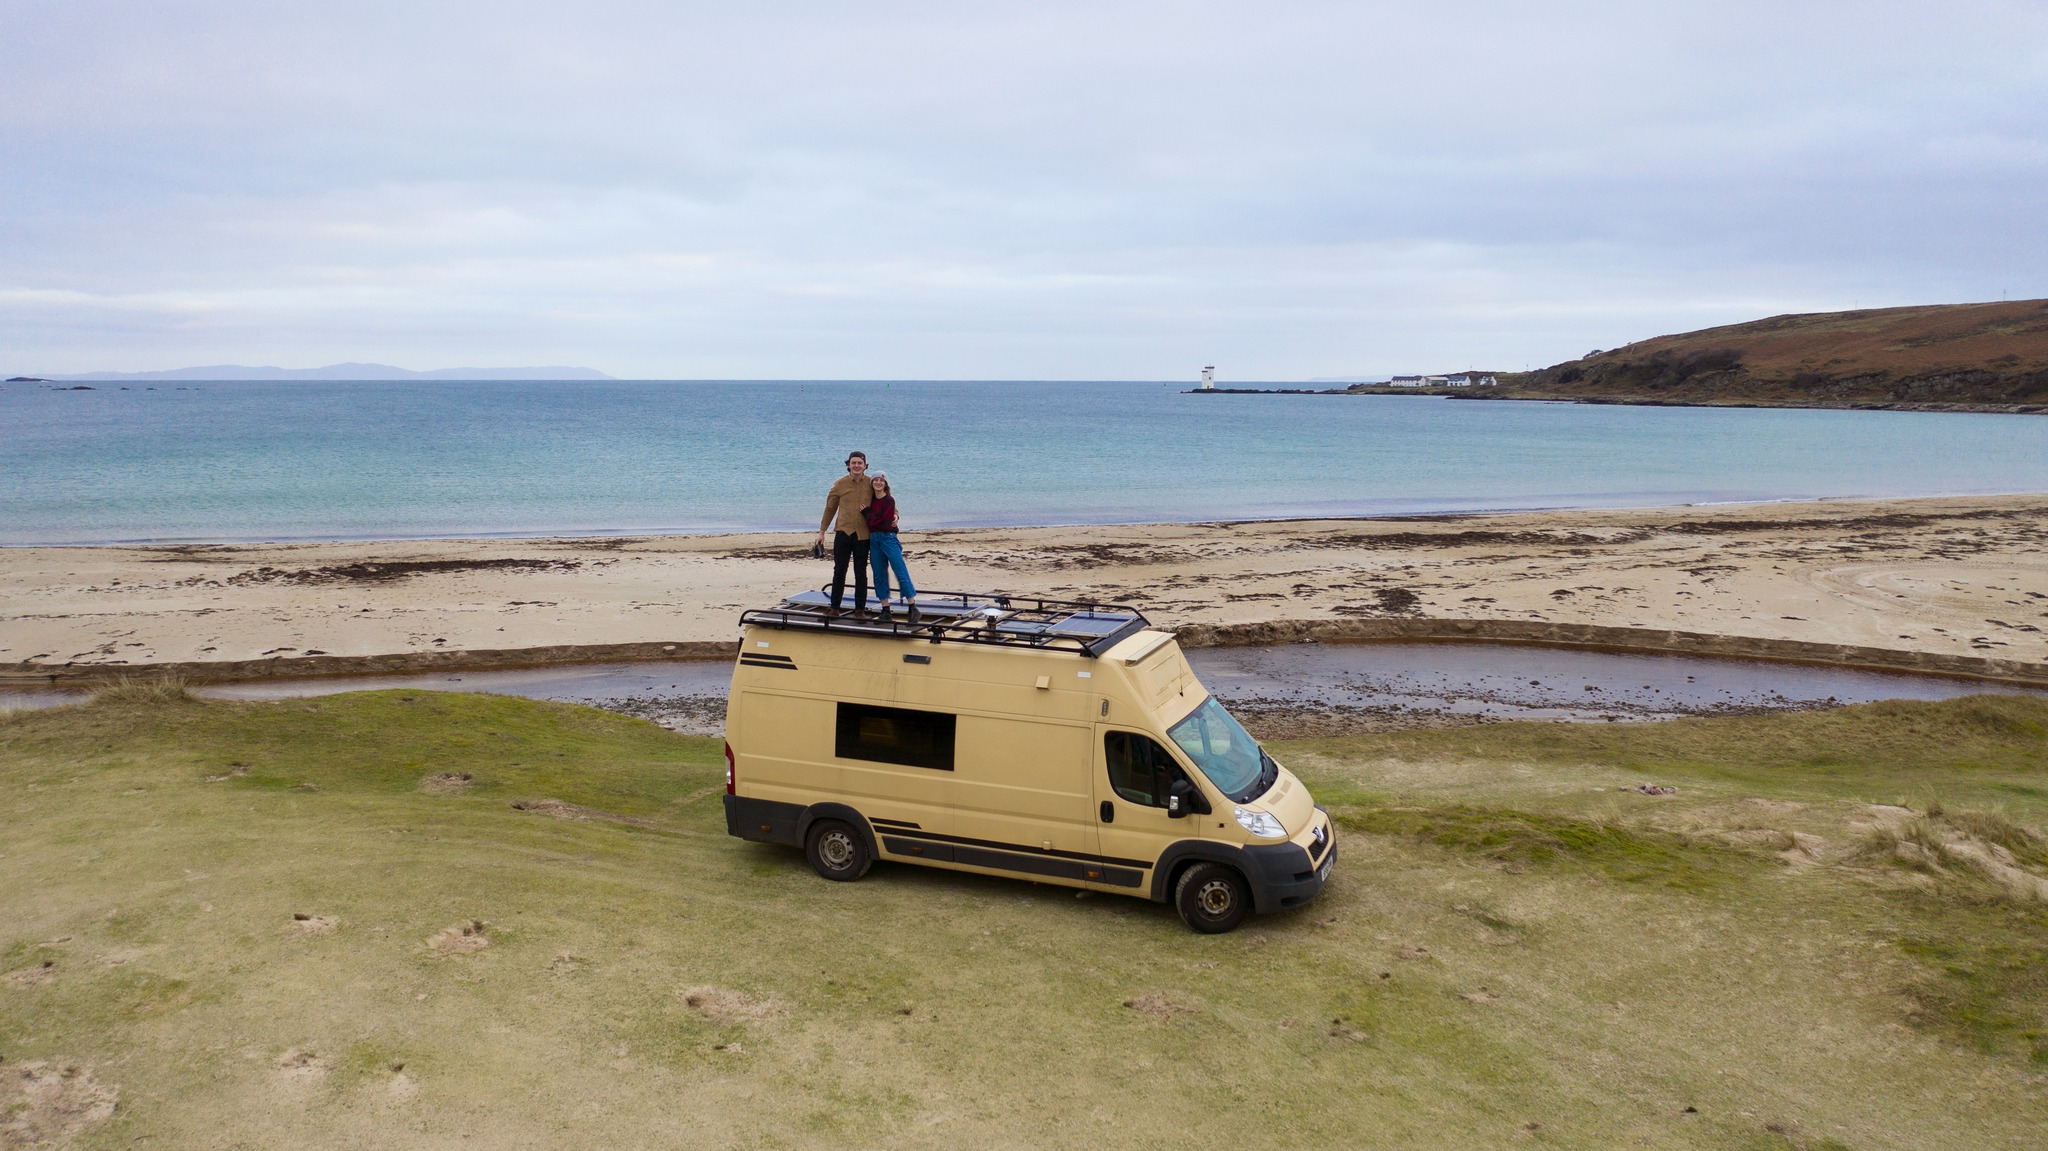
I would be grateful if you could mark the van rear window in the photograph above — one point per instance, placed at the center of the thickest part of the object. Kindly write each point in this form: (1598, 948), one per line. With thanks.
(895, 735)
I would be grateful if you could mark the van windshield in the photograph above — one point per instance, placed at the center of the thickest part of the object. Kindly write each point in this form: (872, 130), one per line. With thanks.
(1225, 752)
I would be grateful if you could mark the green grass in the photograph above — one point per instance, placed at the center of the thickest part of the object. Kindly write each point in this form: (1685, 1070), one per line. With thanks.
(1513, 952)
(1521, 840)
(1975, 751)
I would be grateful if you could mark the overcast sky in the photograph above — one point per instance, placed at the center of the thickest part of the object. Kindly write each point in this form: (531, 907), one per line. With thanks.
(947, 190)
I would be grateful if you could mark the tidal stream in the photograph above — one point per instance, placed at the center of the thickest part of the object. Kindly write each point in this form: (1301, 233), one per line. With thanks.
(1286, 690)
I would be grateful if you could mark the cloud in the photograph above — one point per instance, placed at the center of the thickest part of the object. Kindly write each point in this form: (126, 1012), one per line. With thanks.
(1058, 190)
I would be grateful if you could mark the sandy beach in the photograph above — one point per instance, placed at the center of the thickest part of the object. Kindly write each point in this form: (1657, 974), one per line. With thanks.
(1955, 584)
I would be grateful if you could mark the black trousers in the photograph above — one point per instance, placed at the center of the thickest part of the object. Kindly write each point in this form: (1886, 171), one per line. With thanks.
(848, 548)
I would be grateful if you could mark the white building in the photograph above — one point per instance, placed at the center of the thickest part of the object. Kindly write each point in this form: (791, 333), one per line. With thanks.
(1209, 378)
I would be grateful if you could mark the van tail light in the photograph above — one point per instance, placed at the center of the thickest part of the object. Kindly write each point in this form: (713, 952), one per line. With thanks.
(729, 780)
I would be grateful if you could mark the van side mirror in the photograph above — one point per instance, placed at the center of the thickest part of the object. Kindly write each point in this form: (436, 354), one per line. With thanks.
(1182, 798)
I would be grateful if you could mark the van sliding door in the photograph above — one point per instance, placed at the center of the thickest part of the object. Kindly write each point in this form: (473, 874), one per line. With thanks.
(1022, 799)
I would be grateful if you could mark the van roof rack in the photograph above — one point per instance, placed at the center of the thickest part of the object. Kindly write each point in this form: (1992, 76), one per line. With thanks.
(1083, 628)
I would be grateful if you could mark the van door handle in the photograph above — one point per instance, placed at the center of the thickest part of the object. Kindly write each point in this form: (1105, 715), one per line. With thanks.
(1108, 812)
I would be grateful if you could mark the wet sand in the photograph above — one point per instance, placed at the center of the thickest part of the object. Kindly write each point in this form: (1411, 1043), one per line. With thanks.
(1956, 584)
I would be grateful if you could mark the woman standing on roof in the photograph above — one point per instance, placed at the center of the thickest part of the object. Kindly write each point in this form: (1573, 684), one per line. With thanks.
(884, 551)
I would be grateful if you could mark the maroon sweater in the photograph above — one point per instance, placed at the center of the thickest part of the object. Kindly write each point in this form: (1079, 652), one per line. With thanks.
(880, 515)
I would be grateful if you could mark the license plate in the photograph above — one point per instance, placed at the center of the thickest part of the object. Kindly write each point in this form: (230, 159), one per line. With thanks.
(1323, 872)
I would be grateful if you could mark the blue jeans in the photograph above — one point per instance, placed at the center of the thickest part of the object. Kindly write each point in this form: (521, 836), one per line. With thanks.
(885, 553)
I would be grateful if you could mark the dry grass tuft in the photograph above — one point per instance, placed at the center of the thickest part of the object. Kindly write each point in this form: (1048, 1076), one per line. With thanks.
(1914, 843)
(447, 782)
(34, 976)
(151, 691)
(2024, 844)
(463, 938)
(1984, 845)
(1759, 838)
(301, 1066)
(729, 1008)
(1162, 1005)
(561, 810)
(304, 924)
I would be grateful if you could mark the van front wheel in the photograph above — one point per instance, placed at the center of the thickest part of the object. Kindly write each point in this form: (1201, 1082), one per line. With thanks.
(837, 851)
(1212, 898)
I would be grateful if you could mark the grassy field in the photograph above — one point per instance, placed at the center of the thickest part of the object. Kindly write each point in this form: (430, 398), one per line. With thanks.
(257, 925)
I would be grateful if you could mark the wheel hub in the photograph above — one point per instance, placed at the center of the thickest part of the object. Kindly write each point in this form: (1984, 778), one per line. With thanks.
(837, 849)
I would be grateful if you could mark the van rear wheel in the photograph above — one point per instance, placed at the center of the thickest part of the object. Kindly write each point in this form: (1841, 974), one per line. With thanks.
(837, 851)
(1212, 898)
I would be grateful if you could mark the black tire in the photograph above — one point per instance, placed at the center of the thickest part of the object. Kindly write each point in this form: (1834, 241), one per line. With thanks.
(836, 851)
(1212, 898)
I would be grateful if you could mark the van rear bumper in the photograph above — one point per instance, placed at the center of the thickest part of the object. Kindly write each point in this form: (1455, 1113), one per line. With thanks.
(1283, 877)
(764, 820)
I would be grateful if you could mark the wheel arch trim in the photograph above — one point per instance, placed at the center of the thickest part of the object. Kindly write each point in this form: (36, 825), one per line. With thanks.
(843, 813)
(1177, 856)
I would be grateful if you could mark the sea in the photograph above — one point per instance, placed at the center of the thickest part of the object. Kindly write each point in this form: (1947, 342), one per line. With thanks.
(232, 461)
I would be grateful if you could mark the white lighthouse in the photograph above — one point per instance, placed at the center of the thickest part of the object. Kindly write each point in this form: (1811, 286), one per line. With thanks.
(1209, 378)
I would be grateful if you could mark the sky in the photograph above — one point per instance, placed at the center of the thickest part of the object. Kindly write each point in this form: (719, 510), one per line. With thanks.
(1099, 190)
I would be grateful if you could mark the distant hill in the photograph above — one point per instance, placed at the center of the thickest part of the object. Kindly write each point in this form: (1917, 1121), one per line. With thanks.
(1976, 356)
(346, 372)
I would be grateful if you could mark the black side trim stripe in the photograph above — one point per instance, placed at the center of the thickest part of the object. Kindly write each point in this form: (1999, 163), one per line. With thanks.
(893, 823)
(916, 848)
(1025, 849)
(782, 661)
(1036, 863)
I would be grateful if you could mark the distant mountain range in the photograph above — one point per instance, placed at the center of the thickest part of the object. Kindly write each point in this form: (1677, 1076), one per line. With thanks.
(344, 372)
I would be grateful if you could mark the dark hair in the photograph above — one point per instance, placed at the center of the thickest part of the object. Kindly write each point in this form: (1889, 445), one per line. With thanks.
(849, 457)
(882, 478)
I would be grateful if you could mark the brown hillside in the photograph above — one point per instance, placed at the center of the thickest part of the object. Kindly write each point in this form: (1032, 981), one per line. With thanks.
(1969, 355)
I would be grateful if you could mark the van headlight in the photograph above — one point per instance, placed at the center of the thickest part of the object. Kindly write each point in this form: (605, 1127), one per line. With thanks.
(1260, 823)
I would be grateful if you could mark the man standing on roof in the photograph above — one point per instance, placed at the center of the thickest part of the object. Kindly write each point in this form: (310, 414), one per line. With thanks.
(850, 495)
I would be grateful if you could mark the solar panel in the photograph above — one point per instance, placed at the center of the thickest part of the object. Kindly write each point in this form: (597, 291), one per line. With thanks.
(1093, 624)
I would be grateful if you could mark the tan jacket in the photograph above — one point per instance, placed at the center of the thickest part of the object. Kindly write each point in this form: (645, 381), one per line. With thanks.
(846, 499)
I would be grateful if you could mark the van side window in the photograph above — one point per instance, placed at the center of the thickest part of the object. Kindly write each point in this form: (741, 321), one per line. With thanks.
(1139, 769)
(895, 735)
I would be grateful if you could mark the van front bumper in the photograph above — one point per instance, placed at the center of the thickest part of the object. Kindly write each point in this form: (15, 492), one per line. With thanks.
(1284, 877)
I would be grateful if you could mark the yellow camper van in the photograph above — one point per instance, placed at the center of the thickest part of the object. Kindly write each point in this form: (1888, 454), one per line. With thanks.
(1065, 743)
